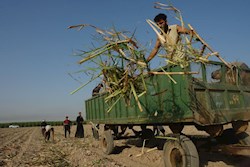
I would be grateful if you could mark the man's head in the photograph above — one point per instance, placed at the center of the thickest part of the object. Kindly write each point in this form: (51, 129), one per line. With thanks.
(80, 113)
(161, 21)
(100, 85)
(67, 117)
(159, 17)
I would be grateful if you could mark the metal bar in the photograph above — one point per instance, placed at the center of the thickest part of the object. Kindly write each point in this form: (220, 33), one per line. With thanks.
(233, 149)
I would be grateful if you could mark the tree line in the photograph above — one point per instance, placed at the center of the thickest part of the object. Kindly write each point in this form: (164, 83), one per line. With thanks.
(32, 124)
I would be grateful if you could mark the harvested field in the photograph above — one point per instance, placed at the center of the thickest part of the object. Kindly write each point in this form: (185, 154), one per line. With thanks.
(26, 147)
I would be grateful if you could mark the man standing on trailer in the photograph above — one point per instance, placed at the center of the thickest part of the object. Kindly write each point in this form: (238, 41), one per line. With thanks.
(171, 35)
(97, 89)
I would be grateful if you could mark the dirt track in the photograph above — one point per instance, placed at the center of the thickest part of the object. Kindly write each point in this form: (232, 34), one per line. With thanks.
(26, 147)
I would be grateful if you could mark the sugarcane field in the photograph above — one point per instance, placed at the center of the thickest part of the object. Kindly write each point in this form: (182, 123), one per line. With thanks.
(26, 147)
(180, 103)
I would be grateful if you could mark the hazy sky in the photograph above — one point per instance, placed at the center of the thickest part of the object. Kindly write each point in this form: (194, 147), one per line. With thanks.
(36, 48)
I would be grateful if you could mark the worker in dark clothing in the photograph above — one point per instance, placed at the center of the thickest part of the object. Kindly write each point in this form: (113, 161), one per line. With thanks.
(66, 124)
(79, 127)
(97, 89)
(43, 125)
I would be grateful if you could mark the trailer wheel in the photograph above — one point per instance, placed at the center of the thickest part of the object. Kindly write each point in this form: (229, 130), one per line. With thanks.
(107, 142)
(180, 153)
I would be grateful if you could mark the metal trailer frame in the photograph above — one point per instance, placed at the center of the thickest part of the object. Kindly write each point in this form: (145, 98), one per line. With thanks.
(177, 101)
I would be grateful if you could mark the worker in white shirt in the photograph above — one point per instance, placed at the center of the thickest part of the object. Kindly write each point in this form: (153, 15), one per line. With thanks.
(49, 129)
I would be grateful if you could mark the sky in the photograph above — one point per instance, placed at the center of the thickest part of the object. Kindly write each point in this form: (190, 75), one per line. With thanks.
(37, 50)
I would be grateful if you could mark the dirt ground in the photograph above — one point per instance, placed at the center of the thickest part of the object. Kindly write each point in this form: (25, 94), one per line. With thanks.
(26, 147)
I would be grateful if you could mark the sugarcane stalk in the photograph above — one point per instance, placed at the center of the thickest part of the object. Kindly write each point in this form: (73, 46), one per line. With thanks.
(85, 84)
(110, 108)
(91, 56)
(143, 82)
(204, 43)
(153, 26)
(136, 97)
(172, 73)
(169, 76)
(144, 92)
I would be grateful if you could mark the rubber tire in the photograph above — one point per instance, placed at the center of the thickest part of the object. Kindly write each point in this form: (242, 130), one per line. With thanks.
(185, 148)
(107, 142)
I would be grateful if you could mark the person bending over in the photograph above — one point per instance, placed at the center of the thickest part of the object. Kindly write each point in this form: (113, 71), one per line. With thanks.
(48, 130)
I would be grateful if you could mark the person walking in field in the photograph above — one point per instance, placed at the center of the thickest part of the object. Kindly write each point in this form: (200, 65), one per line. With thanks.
(79, 126)
(66, 124)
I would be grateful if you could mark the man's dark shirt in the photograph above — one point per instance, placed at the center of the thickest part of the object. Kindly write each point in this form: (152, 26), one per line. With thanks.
(96, 90)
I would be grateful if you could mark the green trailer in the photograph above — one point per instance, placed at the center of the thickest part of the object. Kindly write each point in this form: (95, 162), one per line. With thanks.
(188, 96)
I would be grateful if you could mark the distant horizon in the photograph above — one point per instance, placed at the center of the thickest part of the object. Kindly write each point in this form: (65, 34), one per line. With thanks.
(28, 121)
(54, 118)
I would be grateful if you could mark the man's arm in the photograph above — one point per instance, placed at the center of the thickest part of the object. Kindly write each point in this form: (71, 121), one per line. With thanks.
(183, 30)
(155, 50)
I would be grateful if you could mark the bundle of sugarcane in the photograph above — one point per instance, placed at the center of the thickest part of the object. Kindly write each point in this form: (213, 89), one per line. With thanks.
(120, 64)
(190, 48)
